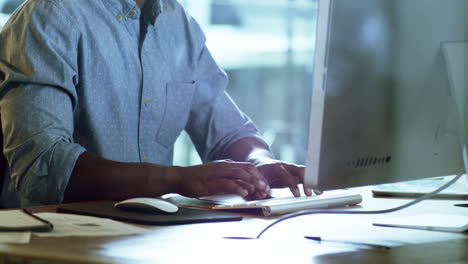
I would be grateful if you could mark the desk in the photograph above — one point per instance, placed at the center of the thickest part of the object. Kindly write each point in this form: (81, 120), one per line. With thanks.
(203, 243)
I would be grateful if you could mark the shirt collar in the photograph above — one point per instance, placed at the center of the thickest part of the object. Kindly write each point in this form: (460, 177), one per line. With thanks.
(151, 10)
(123, 8)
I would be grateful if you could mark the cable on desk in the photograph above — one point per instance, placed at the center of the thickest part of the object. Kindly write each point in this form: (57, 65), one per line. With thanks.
(309, 212)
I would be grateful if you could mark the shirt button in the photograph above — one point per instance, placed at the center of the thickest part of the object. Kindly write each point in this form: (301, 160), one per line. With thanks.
(133, 12)
(147, 101)
(119, 17)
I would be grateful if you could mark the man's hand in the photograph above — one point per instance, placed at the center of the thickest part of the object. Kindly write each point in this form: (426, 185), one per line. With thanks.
(219, 177)
(281, 175)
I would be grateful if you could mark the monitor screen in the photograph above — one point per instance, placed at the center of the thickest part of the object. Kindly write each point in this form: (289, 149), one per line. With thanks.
(381, 107)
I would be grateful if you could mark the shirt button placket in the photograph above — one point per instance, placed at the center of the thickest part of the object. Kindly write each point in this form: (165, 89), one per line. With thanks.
(146, 112)
(148, 124)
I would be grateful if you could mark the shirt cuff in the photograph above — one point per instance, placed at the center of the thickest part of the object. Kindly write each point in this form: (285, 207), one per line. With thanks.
(49, 188)
(231, 140)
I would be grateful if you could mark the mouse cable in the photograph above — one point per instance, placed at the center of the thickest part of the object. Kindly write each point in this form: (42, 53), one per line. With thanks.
(315, 211)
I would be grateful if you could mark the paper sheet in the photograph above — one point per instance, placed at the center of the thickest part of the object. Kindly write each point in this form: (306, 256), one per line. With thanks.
(79, 225)
(15, 237)
(436, 222)
(17, 218)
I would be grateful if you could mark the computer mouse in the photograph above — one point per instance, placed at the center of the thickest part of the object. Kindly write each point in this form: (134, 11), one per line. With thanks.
(150, 205)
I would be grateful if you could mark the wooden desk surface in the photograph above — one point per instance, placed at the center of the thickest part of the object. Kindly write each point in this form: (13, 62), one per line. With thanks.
(204, 243)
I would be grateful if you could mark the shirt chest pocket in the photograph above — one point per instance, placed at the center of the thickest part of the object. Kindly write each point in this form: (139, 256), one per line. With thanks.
(176, 112)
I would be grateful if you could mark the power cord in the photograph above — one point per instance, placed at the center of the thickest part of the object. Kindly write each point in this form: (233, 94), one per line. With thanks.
(309, 212)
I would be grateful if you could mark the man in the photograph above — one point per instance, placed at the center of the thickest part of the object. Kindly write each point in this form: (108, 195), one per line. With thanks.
(93, 94)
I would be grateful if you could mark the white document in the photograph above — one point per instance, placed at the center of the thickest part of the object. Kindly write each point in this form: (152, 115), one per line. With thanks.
(79, 225)
(434, 222)
(17, 219)
(15, 237)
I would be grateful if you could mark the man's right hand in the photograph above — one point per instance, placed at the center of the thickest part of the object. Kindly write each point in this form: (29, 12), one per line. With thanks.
(219, 177)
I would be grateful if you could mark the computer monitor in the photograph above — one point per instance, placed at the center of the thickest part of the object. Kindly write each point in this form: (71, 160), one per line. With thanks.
(381, 107)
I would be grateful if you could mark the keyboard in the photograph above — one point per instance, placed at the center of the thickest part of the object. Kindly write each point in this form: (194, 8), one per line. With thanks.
(284, 205)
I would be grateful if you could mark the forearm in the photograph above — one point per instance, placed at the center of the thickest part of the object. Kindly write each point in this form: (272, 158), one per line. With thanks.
(95, 178)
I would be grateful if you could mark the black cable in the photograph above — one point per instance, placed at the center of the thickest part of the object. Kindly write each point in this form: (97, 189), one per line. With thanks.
(309, 212)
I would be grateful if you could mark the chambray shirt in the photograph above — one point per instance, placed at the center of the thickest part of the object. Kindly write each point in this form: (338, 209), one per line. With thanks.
(72, 79)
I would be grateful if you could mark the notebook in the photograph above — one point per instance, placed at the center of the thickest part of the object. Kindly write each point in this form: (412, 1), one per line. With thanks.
(434, 222)
(416, 188)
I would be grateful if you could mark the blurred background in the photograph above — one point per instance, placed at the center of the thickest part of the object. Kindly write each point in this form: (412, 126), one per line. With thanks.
(267, 48)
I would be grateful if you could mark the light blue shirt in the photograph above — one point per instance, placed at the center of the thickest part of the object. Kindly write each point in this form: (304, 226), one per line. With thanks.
(71, 80)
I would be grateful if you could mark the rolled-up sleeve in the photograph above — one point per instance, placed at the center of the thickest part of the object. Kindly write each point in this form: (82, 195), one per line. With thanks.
(38, 74)
(215, 121)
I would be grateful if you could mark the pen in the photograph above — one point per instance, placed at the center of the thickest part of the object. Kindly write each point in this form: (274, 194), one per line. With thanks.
(319, 239)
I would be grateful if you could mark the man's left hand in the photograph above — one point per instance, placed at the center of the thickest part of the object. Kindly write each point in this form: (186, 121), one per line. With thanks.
(283, 175)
